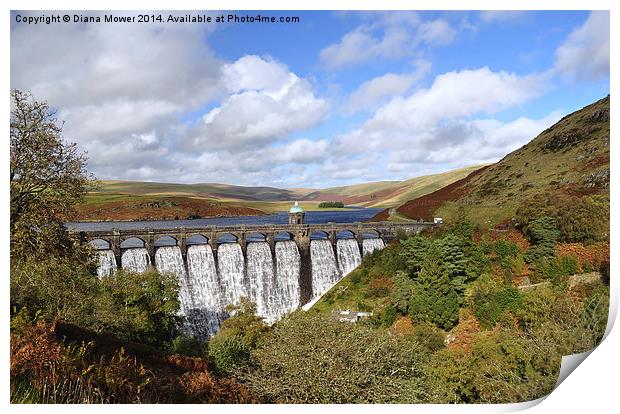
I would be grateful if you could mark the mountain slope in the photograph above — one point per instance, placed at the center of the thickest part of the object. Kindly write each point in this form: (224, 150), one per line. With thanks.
(389, 193)
(571, 157)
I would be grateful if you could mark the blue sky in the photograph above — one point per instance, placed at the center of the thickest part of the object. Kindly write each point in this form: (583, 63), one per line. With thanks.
(338, 98)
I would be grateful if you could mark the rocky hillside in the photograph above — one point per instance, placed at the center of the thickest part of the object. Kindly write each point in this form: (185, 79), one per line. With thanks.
(571, 157)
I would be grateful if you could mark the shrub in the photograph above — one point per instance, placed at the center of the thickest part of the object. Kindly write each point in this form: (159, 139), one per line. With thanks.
(505, 248)
(579, 219)
(490, 301)
(244, 323)
(388, 316)
(539, 252)
(141, 307)
(227, 353)
(67, 373)
(429, 336)
(311, 358)
(557, 269)
(401, 234)
(189, 346)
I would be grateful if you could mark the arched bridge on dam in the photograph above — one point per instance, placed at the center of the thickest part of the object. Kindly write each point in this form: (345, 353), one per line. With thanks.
(293, 263)
(244, 234)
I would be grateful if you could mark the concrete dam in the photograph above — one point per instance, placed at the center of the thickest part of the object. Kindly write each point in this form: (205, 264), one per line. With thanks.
(279, 267)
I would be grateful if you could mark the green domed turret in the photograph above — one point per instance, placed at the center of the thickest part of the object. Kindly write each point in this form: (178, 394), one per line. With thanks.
(296, 208)
(296, 214)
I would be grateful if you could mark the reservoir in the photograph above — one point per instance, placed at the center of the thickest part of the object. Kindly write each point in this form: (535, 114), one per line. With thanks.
(345, 215)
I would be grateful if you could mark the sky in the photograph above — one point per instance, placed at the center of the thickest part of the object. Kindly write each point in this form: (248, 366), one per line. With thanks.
(338, 98)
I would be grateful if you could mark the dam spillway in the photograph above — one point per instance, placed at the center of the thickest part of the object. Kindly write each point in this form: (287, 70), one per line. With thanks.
(271, 281)
(279, 274)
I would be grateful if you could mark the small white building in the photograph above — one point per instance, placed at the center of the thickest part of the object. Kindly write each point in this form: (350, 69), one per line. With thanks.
(350, 316)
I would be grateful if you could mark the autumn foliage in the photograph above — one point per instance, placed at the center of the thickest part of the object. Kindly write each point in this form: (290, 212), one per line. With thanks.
(48, 369)
(589, 257)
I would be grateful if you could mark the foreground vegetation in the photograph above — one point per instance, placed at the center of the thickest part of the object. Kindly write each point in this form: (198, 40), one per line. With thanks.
(459, 315)
(450, 323)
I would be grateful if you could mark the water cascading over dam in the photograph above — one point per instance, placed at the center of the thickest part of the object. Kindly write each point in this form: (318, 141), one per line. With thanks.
(272, 280)
(107, 263)
(262, 283)
(135, 259)
(324, 267)
(231, 268)
(168, 259)
(370, 245)
(288, 263)
(208, 311)
(348, 255)
(279, 267)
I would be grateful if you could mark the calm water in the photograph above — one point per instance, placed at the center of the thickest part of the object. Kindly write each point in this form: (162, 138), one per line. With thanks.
(346, 215)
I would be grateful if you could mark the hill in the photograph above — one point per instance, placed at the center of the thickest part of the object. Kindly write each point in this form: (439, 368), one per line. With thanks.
(569, 158)
(389, 193)
(135, 200)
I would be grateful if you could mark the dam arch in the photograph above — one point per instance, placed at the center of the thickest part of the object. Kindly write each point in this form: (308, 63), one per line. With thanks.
(214, 269)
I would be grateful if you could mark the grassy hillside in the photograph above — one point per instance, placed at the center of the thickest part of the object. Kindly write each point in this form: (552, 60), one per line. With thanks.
(219, 191)
(569, 158)
(135, 200)
(389, 193)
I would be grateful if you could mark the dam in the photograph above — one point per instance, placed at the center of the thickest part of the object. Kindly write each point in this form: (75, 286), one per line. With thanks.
(279, 267)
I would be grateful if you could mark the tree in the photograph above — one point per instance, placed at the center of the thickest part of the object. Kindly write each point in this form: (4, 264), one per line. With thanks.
(48, 175)
(312, 358)
(141, 307)
(543, 234)
(49, 271)
(434, 297)
(402, 289)
(413, 251)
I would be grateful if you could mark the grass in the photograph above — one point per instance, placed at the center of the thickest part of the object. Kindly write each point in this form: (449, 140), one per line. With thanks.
(394, 193)
(560, 159)
(484, 215)
(349, 294)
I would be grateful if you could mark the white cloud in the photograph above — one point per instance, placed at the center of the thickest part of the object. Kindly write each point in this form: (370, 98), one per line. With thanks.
(267, 104)
(585, 54)
(445, 124)
(118, 87)
(453, 95)
(122, 91)
(374, 90)
(389, 37)
(436, 32)
(500, 15)
(301, 151)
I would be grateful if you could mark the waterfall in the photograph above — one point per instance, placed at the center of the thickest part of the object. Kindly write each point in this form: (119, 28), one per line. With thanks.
(135, 260)
(169, 259)
(230, 265)
(370, 245)
(324, 269)
(348, 255)
(262, 284)
(107, 263)
(206, 315)
(288, 264)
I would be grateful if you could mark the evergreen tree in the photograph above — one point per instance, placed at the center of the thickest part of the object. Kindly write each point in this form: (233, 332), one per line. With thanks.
(543, 234)
(402, 289)
(434, 297)
(414, 251)
(454, 261)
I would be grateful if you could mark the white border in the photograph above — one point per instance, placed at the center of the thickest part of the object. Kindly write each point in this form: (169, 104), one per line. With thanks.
(591, 388)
